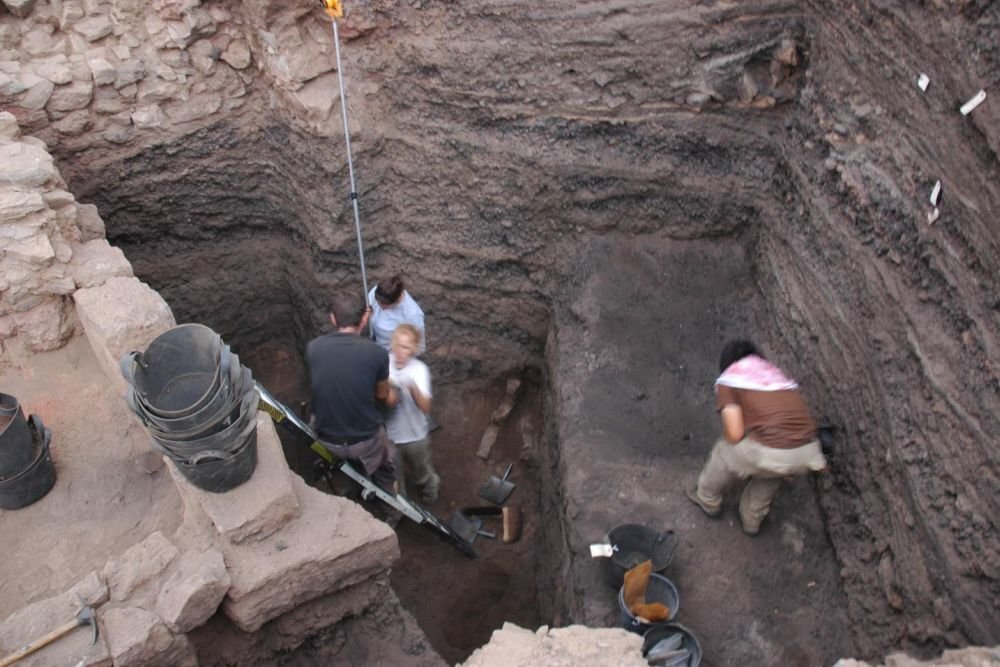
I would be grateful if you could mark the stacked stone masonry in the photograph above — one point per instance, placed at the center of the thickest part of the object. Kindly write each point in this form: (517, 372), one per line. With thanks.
(150, 597)
(127, 71)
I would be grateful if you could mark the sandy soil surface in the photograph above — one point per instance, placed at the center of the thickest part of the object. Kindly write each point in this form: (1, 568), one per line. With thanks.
(111, 491)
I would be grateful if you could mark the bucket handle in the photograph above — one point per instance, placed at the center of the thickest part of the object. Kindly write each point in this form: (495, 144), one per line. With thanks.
(215, 454)
(35, 422)
(672, 538)
(127, 366)
(135, 407)
(666, 534)
(12, 410)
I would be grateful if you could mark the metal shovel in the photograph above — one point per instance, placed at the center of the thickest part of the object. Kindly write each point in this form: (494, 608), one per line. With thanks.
(466, 528)
(497, 489)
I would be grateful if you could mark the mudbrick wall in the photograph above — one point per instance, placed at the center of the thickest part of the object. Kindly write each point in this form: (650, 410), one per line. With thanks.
(491, 137)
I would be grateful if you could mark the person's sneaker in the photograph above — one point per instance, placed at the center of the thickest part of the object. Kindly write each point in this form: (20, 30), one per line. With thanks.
(692, 495)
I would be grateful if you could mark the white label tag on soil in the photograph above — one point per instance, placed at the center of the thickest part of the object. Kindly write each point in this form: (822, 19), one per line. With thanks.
(601, 550)
(973, 103)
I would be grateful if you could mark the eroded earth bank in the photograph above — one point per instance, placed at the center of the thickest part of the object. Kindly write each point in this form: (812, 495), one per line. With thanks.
(595, 196)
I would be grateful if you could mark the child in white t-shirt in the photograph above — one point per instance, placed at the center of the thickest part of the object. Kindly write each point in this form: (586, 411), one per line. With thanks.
(410, 400)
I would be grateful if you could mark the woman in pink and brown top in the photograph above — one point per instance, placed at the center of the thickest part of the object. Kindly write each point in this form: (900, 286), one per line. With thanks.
(767, 435)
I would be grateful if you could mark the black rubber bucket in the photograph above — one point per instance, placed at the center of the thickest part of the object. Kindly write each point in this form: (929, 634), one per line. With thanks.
(17, 448)
(179, 372)
(212, 418)
(660, 589)
(214, 409)
(688, 641)
(37, 479)
(632, 544)
(217, 471)
(225, 440)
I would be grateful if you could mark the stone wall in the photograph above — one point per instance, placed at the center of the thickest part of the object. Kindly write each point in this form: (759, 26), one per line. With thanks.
(268, 549)
(113, 78)
(79, 73)
(52, 246)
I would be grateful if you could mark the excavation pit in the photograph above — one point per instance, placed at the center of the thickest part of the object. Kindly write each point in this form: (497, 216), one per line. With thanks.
(591, 198)
(616, 334)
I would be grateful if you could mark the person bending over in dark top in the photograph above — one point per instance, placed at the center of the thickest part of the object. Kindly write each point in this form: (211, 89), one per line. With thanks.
(768, 435)
(349, 380)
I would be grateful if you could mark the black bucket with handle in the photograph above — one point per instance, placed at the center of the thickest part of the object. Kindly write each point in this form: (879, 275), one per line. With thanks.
(17, 449)
(219, 471)
(633, 543)
(37, 478)
(659, 589)
(687, 642)
(198, 404)
(179, 372)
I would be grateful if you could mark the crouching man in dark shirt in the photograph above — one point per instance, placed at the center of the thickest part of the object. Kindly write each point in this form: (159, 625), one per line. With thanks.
(349, 376)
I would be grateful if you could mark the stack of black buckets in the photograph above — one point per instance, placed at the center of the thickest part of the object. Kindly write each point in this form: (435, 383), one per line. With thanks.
(26, 470)
(198, 403)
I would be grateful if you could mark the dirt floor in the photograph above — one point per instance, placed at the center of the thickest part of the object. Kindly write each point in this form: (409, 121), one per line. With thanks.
(111, 490)
(459, 602)
(635, 357)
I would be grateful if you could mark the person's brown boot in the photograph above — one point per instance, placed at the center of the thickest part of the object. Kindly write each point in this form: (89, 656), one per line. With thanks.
(692, 495)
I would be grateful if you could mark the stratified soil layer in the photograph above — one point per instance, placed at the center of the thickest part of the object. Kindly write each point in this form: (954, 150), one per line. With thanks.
(501, 145)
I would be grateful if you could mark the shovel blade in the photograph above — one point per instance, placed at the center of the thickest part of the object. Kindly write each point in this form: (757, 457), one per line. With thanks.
(496, 490)
(465, 527)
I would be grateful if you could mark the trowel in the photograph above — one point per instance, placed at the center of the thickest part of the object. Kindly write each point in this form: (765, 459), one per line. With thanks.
(497, 489)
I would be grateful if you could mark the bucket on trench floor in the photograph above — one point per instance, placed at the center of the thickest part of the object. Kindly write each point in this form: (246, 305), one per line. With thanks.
(37, 479)
(689, 641)
(179, 372)
(633, 544)
(660, 589)
(17, 447)
(217, 471)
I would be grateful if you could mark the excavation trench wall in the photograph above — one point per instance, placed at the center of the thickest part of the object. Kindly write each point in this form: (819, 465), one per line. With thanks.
(263, 213)
(495, 141)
